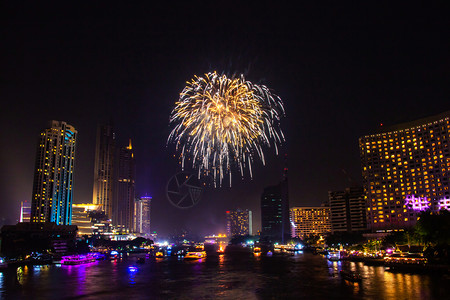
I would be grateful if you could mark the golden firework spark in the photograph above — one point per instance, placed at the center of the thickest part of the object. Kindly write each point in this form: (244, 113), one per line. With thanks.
(221, 122)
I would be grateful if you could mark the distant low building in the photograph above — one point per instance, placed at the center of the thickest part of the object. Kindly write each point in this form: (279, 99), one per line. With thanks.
(24, 238)
(82, 219)
(307, 221)
(25, 211)
(239, 222)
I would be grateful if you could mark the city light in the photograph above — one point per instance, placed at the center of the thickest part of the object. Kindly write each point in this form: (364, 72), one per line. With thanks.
(132, 269)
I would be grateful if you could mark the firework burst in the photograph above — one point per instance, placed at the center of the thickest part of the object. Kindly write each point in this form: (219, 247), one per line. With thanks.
(221, 122)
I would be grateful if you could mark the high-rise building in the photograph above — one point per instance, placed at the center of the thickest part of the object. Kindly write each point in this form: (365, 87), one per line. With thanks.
(81, 217)
(142, 208)
(123, 209)
(53, 176)
(308, 221)
(347, 210)
(405, 169)
(239, 222)
(25, 211)
(275, 223)
(104, 168)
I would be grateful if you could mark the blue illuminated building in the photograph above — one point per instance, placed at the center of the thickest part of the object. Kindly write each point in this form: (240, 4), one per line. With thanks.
(53, 175)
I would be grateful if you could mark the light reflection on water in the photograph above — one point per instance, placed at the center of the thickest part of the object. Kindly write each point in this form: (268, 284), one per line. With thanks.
(300, 276)
(1, 285)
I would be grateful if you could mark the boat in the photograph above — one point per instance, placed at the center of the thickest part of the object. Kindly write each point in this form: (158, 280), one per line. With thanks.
(42, 259)
(99, 256)
(350, 276)
(3, 263)
(334, 255)
(195, 255)
(77, 259)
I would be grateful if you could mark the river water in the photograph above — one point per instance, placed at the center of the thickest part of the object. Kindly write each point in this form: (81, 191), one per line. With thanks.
(302, 276)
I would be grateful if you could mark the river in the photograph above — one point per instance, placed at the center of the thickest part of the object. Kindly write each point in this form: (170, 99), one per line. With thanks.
(302, 276)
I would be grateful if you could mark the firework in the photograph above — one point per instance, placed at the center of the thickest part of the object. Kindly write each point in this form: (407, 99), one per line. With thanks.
(221, 123)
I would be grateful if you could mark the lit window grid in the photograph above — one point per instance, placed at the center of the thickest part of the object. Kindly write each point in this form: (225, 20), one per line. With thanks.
(238, 223)
(54, 174)
(339, 219)
(309, 221)
(413, 161)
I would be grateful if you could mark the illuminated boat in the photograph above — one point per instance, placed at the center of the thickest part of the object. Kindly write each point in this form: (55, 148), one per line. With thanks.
(77, 259)
(334, 255)
(3, 263)
(195, 255)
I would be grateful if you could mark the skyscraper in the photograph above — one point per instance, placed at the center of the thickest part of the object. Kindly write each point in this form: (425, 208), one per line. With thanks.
(123, 209)
(275, 223)
(239, 222)
(405, 169)
(142, 208)
(53, 176)
(347, 210)
(104, 168)
(308, 221)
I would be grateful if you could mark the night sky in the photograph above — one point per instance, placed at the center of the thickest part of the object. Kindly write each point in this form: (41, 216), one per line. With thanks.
(341, 71)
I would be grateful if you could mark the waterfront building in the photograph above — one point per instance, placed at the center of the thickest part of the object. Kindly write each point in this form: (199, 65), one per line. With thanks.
(239, 222)
(275, 223)
(142, 207)
(25, 211)
(308, 221)
(53, 175)
(405, 170)
(25, 238)
(123, 209)
(104, 168)
(347, 210)
(81, 217)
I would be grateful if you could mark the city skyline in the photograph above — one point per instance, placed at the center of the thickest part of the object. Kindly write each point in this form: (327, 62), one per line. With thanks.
(340, 71)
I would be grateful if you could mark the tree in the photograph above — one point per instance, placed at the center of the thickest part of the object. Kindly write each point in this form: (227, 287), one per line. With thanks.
(344, 238)
(395, 238)
(433, 229)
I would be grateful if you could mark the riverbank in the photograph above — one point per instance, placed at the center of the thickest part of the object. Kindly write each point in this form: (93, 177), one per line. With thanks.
(397, 266)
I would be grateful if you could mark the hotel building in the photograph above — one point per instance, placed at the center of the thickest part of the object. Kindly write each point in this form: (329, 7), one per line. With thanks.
(405, 170)
(239, 222)
(307, 221)
(53, 175)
